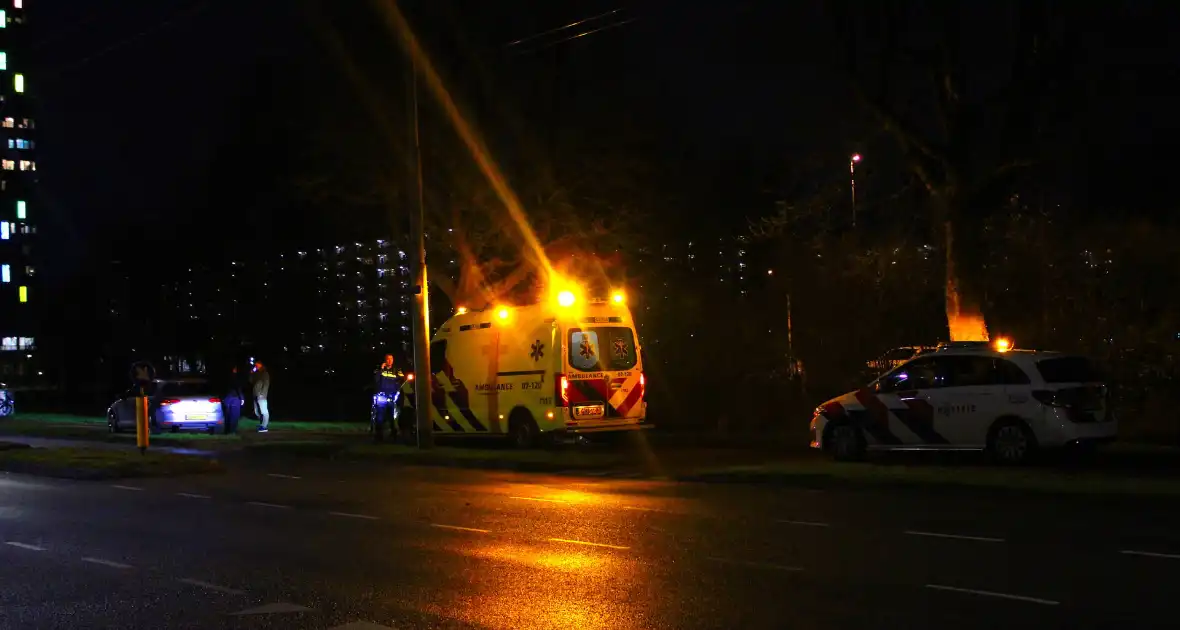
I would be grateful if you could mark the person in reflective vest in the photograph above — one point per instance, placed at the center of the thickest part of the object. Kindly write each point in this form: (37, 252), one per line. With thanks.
(387, 385)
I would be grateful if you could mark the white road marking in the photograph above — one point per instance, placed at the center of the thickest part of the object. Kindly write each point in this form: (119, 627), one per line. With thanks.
(588, 544)
(270, 609)
(1019, 598)
(807, 523)
(954, 536)
(107, 563)
(361, 625)
(461, 529)
(190, 495)
(127, 488)
(269, 505)
(280, 476)
(212, 587)
(1150, 554)
(642, 509)
(20, 545)
(756, 565)
(539, 499)
(351, 515)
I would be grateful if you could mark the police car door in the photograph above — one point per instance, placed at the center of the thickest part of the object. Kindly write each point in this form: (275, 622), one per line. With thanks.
(964, 402)
(907, 398)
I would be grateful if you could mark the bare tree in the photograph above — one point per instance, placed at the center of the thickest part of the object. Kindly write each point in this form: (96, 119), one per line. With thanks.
(964, 133)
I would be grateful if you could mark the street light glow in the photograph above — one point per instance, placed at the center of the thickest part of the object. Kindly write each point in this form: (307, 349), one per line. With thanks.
(855, 157)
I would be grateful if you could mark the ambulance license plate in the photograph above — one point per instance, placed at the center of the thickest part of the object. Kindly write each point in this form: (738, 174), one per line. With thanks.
(589, 411)
(195, 417)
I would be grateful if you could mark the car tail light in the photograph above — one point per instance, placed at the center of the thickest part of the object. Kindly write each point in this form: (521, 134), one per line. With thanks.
(563, 390)
(169, 401)
(642, 384)
(214, 400)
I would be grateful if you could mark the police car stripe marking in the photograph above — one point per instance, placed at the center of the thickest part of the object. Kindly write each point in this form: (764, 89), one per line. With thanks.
(918, 417)
(874, 418)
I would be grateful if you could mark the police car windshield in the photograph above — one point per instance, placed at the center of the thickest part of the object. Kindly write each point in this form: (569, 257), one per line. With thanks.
(602, 348)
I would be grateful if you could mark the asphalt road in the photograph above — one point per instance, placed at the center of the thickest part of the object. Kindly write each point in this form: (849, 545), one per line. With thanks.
(323, 546)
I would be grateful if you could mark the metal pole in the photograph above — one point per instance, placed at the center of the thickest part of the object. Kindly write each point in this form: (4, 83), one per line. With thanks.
(852, 171)
(423, 377)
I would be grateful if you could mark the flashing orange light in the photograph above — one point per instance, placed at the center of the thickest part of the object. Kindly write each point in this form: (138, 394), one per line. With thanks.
(410, 376)
(618, 297)
(461, 310)
(566, 298)
(503, 313)
(1003, 344)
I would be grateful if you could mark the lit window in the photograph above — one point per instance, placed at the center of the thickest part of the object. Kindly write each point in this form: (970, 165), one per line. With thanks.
(18, 82)
(5, 273)
(23, 144)
(24, 294)
(26, 123)
(28, 165)
(3, 230)
(18, 4)
(22, 210)
(9, 123)
(3, 60)
(3, 18)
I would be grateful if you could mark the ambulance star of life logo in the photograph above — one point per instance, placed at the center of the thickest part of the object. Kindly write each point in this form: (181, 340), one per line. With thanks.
(586, 349)
(538, 350)
(621, 348)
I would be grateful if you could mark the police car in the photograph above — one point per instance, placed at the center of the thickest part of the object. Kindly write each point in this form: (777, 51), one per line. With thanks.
(971, 396)
(568, 365)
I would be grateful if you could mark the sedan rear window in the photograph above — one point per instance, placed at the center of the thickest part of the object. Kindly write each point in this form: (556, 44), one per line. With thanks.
(1069, 370)
(185, 389)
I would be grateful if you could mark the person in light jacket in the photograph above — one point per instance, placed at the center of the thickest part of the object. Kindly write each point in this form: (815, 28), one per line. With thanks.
(261, 381)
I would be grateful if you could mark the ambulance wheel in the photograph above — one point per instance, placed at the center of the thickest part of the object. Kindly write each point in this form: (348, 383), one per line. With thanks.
(848, 444)
(522, 430)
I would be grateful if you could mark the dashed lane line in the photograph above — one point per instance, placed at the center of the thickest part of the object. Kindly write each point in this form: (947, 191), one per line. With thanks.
(282, 476)
(133, 488)
(971, 591)
(756, 565)
(275, 506)
(953, 536)
(211, 587)
(107, 563)
(540, 500)
(357, 516)
(461, 529)
(807, 523)
(588, 544)
(1150, 554)
(26, 546)
(189, 495)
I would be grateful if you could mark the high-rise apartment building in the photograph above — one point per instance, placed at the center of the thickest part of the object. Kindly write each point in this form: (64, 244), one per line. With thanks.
(19, 290)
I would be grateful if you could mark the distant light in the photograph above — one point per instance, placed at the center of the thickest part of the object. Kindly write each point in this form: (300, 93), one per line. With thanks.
(855, 157)
(770, 272)
(1003, 344)
(566, 298)
(18, 82)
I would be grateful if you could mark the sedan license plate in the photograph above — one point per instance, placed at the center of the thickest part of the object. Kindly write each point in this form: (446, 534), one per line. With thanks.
(195, 417)
(589, 411)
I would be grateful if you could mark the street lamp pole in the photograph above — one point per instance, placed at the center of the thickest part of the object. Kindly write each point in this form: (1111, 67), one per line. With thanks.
(852, 178)
(422, 369)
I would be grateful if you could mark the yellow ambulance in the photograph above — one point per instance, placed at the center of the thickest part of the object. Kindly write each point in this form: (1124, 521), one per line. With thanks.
(569, 365)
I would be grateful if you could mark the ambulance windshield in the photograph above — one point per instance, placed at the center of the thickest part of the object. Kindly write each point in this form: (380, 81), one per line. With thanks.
(602, 349)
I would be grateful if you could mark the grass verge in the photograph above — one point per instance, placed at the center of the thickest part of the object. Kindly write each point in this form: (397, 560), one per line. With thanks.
(64, 426)
(1038, 480)
(539, 460)
(85, 463)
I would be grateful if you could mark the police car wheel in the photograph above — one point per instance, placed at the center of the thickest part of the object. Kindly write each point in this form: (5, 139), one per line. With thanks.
(847, 445)
(1011, 442)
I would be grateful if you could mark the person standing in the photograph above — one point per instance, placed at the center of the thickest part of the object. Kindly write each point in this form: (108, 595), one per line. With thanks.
(388, 383)
(234, 397)
(261, 380)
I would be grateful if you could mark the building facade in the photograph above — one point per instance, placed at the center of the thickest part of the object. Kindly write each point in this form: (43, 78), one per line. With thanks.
(19, 289)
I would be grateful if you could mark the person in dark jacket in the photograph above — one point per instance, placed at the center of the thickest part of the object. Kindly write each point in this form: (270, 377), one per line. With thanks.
(387, 383)
(232, 401)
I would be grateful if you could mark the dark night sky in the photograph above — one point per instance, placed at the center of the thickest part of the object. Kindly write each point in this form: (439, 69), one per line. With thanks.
(140, 98)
